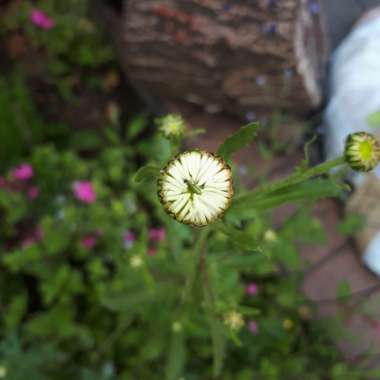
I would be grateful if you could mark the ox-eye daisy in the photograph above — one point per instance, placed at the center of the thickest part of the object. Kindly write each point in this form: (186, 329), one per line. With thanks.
(196, 187)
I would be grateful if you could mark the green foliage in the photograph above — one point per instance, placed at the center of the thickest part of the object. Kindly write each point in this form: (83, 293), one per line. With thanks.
(242, 138)
(89, 291)
(146, 172)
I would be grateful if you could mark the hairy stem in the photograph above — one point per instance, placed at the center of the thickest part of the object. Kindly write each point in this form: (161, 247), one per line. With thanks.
(293, 179)
(196, 259)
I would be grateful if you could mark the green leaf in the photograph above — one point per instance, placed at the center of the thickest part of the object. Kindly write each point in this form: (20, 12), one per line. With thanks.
(242, 239)
(146, 172)
(343, 290)
(136, 126)
(176, 357)
(86, 140)
(218, 345)
(239, 140)
(311, 190)
(351, 225)
(15, 311)
(373, 119)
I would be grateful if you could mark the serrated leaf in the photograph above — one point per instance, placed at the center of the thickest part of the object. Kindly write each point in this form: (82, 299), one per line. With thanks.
(343, 290)
(146, 172)
(238, 140)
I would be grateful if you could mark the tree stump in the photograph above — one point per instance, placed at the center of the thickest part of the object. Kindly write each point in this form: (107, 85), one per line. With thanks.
(241, 56)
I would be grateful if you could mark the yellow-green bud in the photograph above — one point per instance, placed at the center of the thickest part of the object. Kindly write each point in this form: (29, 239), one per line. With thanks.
(196, 187)
(234, 320)
(362, 151)
(172, 125)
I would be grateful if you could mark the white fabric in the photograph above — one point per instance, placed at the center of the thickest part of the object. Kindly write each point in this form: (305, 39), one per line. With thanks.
(354, 87)
(372, 255)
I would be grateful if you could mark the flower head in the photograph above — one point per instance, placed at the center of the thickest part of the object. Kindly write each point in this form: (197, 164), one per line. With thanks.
(270, 236)
(22, 172)
(234, 320)
(287, 324)
(89, 241)
(362, 151)
(136, 261)
(41, 19)
(251, 289)
(84, 191)
(157, 234)
(172, 125)
(196, 187)
(176, 326)
(253, 327)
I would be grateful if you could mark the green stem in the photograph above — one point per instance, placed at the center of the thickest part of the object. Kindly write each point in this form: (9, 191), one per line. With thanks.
(197, 254)
(293, 179)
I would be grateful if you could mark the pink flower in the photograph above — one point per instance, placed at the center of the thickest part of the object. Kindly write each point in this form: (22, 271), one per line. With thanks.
(253, 327)
(129, 238)
(22, 172)
(89, 241)
(157, 234)
(41, 19)
(2, 182)
(84, 191)
(33, 192)
(251, 289)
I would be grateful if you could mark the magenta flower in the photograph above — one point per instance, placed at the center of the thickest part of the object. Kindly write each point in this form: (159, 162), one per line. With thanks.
(251, 289)
(84, 191)
(41, 19)
(157, 234)
(129, 238)
(22, 172)
(33, 192)
(89, 241)
(253, 327)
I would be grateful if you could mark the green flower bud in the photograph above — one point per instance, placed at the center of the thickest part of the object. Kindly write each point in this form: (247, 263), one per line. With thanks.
(234, 320)
(172, 125)
(195, 187)
(362, 151)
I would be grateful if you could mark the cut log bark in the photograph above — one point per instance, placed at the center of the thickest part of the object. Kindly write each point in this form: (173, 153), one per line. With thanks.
(240, 56)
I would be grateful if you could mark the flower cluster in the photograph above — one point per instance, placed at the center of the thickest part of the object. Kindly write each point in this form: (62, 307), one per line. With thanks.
(172, 125)
(19, 180)
(40, 19)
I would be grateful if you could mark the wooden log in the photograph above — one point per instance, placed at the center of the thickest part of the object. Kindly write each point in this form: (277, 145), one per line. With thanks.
(240, 56)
